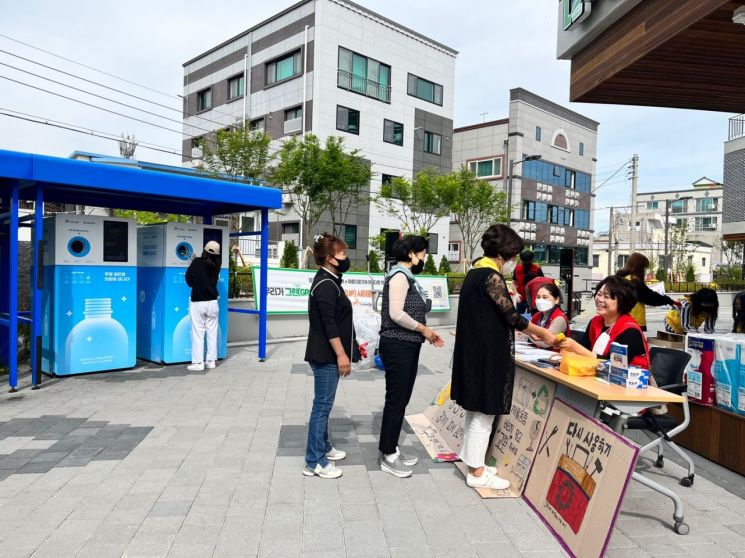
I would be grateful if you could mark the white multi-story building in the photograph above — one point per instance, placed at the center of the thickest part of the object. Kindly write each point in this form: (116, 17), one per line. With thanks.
(551, 198)
(333, 67)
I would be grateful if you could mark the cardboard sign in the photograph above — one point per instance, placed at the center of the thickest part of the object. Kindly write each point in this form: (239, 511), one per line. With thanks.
(289, 289)
(513, 447)
(579, 478)
(440, 427)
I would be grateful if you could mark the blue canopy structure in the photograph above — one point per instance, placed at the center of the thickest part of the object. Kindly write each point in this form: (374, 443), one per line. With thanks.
(40, 178)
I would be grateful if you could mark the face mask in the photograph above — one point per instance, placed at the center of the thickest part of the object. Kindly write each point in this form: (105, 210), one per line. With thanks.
(508, 268)
(418, 267)
(342, 265)
(544, 305)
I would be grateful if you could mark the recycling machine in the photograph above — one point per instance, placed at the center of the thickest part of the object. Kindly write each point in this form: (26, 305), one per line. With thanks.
(164, 252)
(88, 294)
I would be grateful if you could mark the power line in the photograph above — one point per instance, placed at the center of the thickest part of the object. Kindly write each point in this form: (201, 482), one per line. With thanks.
(604, 183)
(100, 96)
(90, 105)
(87, 131)
(109, 87)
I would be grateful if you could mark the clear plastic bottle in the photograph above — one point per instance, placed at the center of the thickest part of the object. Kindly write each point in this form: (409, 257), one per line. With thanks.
(97, 342)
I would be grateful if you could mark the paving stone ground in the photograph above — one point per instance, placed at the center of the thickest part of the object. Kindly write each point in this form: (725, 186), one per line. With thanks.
(161, 462)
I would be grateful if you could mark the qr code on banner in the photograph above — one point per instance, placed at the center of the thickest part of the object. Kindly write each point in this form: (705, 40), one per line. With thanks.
(437, 291)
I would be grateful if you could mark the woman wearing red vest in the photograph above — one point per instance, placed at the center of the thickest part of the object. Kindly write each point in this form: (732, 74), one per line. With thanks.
(614, 299)
(524, 273)
(550, 315)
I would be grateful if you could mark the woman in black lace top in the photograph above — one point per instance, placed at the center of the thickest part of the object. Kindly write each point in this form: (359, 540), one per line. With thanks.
(484, 358)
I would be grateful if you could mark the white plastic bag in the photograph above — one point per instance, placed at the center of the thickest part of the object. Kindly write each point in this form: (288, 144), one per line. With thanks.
(367, 329)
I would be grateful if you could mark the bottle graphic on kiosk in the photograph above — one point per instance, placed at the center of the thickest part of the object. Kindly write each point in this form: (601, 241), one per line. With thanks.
(96, 330)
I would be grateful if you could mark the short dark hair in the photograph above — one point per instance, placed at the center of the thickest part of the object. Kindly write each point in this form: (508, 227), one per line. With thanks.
(526, 256)
(501, 240)
(326, 245)
(619, 290)
(409, 243)
(552, 289)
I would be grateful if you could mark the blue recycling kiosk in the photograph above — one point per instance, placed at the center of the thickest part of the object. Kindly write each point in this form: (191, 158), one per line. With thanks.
(88, 296)
(164, 252)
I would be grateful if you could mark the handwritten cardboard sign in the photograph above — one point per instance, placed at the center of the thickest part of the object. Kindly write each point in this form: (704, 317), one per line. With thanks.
(440, 427)
(578, 480)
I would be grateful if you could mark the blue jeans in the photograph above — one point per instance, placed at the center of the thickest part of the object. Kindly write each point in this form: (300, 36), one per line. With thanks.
(325, 380)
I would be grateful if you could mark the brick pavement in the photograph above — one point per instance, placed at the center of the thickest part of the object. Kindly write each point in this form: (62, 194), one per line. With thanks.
(161, 462)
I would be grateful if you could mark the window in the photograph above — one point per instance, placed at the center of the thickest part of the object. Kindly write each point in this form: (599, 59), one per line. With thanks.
(582, 182)
(560, 215)
(681, 222)
(363, 75)
(347, 120)
(537, 133)
(703, 262)
(293, 113)
(556, 175)
(204, 100)
(486, 168)
(433, 243)
(256, 125)
(581, 149)
(541, 212)
(595, 260)
(247, 223)
(580, 256)
(386, 178)
(350, 236)
(424, 89)
(290, 228)
(287, 67)
(706, 223)
(705, 205)
(653, 205)
(561, 142)
(679, 206)
(554, 254)
(197, 143)
(293, 120)
(393, 132)
(690, 260)
(528, 210)
(621, 260)
(235, 87)
(432, 143)
(582, 219)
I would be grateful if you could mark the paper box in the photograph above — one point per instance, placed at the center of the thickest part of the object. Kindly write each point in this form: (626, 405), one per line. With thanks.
(637, 378)
(727, 372)
(699, 375)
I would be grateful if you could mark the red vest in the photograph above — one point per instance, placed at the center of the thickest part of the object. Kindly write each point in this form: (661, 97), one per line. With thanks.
(557, 313)
(520, 278)
(624, 323)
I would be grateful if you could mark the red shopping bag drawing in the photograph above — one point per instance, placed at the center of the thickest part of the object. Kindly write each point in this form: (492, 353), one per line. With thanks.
(570, 491)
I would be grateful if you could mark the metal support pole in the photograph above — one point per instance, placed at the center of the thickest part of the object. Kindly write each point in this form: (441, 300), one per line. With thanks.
(264, 277)
(37, 284)
(610, 245)
(13, 291)
(634, 179)
(667, 231)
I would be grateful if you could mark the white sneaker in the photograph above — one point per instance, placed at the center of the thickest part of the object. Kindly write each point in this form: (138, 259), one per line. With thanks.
(210, 364)
(330, 471)
(336, 455)
(196, 367)
(487, 481)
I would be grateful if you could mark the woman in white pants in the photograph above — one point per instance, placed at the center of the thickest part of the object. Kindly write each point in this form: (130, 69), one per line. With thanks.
(484, 358)
(202, 277)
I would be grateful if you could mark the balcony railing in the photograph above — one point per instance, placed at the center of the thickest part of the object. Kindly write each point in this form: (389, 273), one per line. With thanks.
(737, 127)
(363, 86)
(293, 126)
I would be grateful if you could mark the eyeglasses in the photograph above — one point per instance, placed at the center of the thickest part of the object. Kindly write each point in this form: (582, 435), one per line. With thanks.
(604, 295)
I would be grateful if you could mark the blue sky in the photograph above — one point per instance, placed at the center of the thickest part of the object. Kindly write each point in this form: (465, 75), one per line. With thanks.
(502, 45)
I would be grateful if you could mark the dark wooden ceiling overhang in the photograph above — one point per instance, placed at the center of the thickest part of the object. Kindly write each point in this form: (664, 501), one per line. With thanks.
(667, 53)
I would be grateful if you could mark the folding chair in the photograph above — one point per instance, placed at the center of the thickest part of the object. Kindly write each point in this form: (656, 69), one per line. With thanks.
(668, 368)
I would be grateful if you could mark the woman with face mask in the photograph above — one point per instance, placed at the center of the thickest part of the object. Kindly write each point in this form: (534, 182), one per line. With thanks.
(550, 315)
(403, 329)
(331, 349)
(484, 356)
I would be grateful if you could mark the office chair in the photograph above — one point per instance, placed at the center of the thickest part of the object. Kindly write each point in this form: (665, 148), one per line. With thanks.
(668, 368)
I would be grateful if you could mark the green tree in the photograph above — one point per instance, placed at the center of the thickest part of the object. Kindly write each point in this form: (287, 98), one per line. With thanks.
(417, 204)
(429, 266)
(236, 154)
(680, 249)
(289, 256)
(374, 261)
(150, 217)
(475, 205)
(444, 266)
(690, 272)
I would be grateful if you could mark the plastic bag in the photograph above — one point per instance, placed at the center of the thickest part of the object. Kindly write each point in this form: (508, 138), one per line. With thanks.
(577, 365)
(367, 329)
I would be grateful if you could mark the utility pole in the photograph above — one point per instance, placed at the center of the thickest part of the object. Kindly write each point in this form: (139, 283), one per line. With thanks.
(610, 240)
(634, 178)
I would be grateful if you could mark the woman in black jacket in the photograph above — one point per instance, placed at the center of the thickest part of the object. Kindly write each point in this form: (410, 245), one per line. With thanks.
(484, 356)
(331, 348)
(202, 276)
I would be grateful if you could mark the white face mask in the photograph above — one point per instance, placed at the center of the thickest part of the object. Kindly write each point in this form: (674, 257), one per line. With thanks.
(508, 268)
(543, 305)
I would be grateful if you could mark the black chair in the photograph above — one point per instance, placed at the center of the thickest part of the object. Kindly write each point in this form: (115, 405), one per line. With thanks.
(668, 368)
(577, 335)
